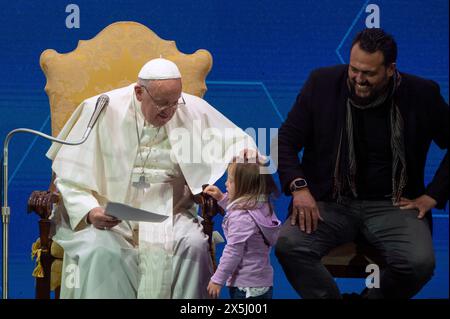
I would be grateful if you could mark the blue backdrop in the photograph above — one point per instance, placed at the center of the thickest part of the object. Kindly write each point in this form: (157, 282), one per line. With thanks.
(263, 52)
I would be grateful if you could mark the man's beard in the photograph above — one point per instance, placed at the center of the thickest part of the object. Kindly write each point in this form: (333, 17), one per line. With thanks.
(374, 94)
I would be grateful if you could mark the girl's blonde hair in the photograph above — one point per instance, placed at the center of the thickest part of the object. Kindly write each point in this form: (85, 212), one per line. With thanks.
(251, 186)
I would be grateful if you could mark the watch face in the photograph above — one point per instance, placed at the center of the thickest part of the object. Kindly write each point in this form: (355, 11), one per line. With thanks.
(300, 183)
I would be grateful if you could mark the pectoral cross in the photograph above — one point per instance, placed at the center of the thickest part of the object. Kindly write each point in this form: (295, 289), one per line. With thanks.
(142, 183)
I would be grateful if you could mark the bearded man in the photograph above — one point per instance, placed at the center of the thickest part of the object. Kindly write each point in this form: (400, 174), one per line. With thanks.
(365, 130)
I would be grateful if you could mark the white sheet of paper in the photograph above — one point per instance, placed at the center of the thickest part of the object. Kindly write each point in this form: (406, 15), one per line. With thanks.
(126, 212)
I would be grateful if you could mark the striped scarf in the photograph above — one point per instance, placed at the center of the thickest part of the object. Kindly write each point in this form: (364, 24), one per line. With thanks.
(345, 169)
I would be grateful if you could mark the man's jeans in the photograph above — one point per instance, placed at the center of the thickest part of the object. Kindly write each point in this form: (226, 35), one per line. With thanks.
(404, 241)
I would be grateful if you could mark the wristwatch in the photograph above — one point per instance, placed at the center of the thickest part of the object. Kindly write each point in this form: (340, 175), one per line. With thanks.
(298, 184)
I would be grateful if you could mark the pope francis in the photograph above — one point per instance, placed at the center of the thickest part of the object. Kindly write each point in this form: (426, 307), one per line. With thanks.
(147, 150)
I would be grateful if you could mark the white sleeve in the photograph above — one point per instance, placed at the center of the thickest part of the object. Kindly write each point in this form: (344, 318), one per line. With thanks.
(77, 201)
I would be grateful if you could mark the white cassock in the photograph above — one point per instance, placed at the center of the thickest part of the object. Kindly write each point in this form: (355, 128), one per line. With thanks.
(144, 260)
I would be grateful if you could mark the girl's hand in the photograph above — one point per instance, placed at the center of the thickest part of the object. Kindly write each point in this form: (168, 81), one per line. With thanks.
(214, 289)
(214, 192)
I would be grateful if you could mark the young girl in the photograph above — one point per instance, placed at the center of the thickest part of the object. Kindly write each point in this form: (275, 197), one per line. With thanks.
(251, 229)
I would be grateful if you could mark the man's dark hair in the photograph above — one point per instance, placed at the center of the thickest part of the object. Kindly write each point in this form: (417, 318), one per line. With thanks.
(375, 39)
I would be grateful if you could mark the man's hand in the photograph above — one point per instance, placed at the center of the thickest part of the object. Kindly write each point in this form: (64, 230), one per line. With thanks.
(214, 289)
(98, 217)
(305, 211)
(214, 192)
(423, 204)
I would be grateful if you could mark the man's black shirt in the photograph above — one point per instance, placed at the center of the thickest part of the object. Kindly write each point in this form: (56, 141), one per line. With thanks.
(372, 140)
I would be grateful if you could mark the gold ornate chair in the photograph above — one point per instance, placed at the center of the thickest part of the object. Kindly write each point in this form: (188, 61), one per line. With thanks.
(110, 60)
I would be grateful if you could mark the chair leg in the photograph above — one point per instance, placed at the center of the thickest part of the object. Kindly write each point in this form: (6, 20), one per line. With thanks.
(43, 284)
(57, 292)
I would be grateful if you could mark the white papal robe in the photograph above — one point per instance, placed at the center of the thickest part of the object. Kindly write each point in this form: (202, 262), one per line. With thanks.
(147, 260)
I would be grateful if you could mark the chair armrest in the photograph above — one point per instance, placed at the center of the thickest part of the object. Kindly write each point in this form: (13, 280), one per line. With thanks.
(209, 208)
(41, 202)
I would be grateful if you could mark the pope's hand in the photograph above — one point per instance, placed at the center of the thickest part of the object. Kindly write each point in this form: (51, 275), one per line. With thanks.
(98, 217)
(214, 192)
(251, 155)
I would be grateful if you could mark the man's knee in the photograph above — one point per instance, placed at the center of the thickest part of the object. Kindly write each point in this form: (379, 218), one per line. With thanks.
(293, 248)
(423, 267)
(283, 247)
(416, 266)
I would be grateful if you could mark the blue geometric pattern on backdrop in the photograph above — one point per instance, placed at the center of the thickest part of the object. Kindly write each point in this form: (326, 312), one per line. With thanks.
(263, 52)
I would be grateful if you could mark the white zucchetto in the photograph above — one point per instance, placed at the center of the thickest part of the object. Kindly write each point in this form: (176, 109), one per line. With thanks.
(159, 69)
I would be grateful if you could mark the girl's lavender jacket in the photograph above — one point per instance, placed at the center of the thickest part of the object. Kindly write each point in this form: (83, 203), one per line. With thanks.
(250, 234)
